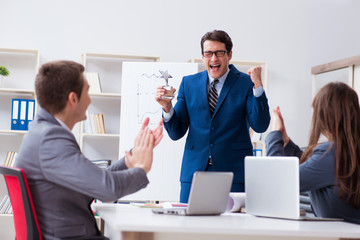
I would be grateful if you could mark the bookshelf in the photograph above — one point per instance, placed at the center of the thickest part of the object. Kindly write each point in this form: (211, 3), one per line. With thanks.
(23, 65)
(345, 70)
(107, 102)
(243, 66)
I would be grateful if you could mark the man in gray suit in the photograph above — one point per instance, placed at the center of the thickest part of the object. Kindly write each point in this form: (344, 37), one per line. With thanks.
(62, 181)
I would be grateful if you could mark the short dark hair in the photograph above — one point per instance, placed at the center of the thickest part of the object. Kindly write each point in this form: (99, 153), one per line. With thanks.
(218, 36)
(55, 81)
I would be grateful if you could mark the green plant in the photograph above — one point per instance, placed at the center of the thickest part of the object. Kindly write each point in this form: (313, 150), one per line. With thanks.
(4, 71)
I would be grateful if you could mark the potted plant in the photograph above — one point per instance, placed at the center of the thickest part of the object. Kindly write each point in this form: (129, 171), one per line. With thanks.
(4, 72)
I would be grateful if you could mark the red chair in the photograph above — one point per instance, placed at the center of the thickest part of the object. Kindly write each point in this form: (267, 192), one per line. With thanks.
(25, 220)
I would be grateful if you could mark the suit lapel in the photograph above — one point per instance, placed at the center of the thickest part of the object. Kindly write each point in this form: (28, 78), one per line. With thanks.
(229, 82)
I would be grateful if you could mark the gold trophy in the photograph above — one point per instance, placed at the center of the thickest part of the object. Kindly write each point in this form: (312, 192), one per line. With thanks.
(169, 94)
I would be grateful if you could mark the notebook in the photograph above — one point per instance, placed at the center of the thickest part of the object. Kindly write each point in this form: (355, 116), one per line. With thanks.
(209, 195)
(272, 188)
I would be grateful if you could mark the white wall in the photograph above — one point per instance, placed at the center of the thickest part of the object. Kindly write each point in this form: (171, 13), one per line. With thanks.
(291, 36)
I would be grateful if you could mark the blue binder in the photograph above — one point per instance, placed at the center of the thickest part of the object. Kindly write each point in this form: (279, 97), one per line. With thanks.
(257, 152)
(22, 114)
(30, 112)
(15, 114)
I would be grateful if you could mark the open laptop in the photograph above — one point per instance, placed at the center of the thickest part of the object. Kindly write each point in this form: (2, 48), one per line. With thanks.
(272, 188)
(209, 195)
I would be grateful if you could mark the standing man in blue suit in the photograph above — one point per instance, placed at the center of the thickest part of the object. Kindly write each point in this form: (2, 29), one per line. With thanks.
(217, 141)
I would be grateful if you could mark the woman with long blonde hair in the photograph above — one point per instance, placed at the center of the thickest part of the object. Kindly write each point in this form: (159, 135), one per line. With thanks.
(329, 171)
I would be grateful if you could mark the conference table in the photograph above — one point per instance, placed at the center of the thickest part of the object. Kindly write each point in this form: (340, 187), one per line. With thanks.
(128, 222)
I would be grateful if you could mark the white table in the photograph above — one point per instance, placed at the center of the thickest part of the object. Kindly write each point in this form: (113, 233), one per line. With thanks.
(123, 221)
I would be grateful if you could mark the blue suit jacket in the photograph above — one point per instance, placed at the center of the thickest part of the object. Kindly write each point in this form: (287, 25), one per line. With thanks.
(225, 136)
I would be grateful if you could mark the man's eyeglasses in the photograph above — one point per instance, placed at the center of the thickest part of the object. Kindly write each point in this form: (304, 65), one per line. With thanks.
(208, 54)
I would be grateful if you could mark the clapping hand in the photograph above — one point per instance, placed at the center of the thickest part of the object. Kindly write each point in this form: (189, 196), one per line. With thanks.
(142, 153)
(278, 124)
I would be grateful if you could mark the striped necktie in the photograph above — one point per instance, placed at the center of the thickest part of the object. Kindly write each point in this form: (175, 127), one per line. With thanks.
(213, 96)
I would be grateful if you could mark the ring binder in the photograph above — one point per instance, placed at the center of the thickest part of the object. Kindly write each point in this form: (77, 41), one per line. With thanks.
(22, 113)
(15, 114)
(22, 118)
(30, 112)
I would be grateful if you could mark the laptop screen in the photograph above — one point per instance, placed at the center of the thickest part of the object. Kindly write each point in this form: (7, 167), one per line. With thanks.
(209, 192)
(272, 186)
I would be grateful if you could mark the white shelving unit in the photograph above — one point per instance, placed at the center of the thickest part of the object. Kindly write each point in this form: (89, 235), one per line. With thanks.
(244, 66)
(345, 70)
(108, 103)
(23, 65)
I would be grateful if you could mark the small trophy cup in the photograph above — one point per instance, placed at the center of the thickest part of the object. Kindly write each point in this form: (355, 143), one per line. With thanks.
(168, 89)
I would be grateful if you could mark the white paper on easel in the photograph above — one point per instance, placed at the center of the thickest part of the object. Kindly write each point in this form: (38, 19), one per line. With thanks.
(139, 83)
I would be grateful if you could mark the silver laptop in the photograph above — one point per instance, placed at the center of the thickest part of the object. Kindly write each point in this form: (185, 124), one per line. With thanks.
(209, 195)
(272, 188)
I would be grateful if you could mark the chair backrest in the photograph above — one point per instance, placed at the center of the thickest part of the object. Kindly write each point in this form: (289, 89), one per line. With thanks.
(25, 220)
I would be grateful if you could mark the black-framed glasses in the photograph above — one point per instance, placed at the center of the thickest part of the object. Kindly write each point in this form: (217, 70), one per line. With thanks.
(208, 54)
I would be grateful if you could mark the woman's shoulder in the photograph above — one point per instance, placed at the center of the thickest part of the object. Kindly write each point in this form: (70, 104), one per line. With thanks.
(324, 151)
(324, 145)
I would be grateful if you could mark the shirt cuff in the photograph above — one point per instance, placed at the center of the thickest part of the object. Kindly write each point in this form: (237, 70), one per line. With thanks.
(258, 91)
(167, 116)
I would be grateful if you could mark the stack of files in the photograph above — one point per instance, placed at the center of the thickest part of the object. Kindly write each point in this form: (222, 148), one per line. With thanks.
(93, 79)
(22, 113)
(94, 123)
(10, 159)
(157, 204)
(102, 163)
(5, 204)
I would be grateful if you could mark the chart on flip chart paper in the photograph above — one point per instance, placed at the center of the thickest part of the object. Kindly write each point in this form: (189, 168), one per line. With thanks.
(139, 83)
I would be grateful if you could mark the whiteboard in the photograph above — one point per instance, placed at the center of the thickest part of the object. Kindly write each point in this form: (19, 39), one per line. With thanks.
(139, 83)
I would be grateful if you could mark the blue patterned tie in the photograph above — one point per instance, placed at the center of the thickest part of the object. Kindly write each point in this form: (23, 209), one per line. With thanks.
(213, 96)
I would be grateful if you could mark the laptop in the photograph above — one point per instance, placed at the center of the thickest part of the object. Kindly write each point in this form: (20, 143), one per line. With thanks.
(209, 195)
(272, 188)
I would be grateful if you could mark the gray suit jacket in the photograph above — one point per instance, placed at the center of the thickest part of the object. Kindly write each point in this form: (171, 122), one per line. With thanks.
(63, 182)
